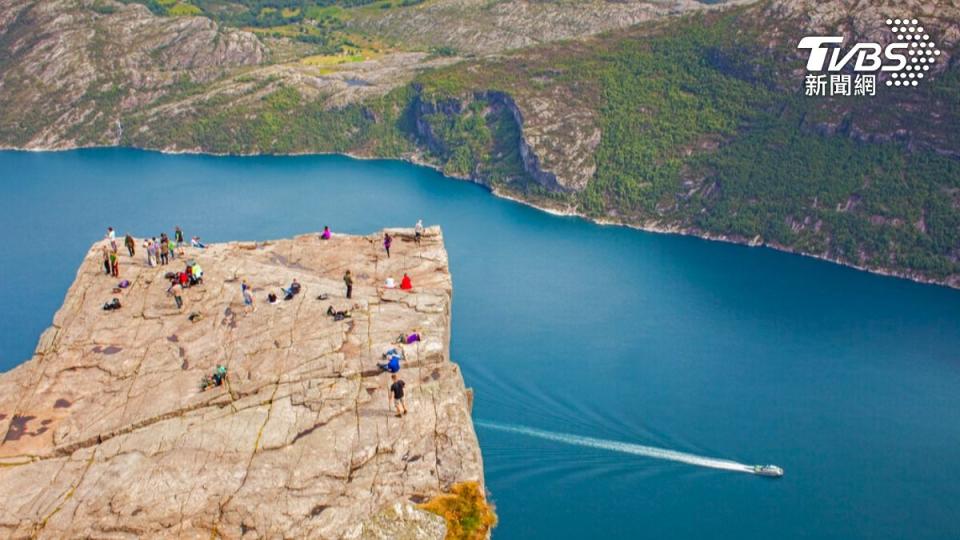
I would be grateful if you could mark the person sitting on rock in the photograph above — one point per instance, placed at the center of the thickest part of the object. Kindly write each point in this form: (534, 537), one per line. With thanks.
(410, 338)
(217, 379)
(393, 357)
(294, 290)
(405, 283)
(196, 274)
(272, 298)
(338, 315)
(219, 375)
(195, 242)
(326, 234)
(112, 305)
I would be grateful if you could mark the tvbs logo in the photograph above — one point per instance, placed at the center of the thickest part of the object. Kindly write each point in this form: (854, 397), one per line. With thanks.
(907, 60)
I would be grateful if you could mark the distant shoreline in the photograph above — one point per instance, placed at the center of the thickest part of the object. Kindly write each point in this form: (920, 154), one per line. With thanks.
(417, 159)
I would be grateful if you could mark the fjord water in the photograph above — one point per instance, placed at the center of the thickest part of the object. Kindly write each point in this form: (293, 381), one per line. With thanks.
(849, 381)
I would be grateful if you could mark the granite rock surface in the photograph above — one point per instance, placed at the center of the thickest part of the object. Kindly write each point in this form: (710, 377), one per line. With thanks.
(107, 433)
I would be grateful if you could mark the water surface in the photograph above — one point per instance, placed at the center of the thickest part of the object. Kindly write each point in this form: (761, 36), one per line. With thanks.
(849, 381)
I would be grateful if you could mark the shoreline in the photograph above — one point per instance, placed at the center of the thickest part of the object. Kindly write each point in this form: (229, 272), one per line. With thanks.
(417, 159)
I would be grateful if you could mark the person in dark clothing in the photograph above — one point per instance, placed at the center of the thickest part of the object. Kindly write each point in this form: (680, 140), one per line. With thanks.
(164, 250)
(387, 242)
(131, 245)
(338, 315)
(396, 395)
(178, 236)
(294, 290)
(107, 269)
(348, 281)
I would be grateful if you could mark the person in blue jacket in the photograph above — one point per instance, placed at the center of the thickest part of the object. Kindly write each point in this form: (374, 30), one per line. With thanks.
(393, 358)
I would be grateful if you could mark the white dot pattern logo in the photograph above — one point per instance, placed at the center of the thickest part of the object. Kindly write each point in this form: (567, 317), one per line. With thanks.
(921, 50)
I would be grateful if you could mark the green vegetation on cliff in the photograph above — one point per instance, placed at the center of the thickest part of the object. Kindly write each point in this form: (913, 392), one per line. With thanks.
(701, 133)
(281, 122)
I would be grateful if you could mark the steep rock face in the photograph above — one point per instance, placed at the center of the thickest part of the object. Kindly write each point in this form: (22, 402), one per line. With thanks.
(70, 63)
(106, 432)
(554, 150)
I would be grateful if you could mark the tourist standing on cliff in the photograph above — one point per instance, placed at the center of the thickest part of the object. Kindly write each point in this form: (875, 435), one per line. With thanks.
(387, 242)
(164, 249)
(396, 395)
(131, 245)
(247, 297)
(418, 232)
(348, 281)
(178, 236)
(114, 264)
(153, 252)
(106, 260)
(112, 237)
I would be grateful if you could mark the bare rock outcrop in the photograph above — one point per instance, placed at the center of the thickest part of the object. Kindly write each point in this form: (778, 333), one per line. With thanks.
(70, 63)
(106, 432)
(486, 27)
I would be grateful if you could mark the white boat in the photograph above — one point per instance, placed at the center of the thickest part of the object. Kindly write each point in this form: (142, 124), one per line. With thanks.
(768, 470)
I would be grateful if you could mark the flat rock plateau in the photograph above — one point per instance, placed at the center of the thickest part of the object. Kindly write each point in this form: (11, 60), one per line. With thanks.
(107, 433)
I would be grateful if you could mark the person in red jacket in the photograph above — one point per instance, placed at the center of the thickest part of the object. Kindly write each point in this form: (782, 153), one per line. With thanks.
(405, 283)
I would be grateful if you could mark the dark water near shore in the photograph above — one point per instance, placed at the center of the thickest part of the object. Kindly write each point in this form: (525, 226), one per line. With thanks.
(849, 381)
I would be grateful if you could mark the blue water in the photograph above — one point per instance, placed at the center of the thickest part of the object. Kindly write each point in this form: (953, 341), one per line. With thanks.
(849, 381)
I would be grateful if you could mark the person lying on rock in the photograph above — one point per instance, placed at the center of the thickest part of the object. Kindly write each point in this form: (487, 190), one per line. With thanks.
(410, 338)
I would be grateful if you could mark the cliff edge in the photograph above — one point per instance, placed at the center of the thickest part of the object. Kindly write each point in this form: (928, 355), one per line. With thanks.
(106, 431)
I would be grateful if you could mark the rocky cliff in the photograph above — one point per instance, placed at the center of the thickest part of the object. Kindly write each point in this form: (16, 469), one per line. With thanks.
(73, 64)
(108, 434)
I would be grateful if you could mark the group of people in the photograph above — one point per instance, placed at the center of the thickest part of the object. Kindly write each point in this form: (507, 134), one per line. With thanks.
(160, 251)
(191, 275)
(288, 292)
(388, 240)
(164, 250)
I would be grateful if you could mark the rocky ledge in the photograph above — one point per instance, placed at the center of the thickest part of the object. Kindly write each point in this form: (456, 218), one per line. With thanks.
(108, 434)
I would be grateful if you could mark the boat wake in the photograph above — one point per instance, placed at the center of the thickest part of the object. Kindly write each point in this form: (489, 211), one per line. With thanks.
(625, 448)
